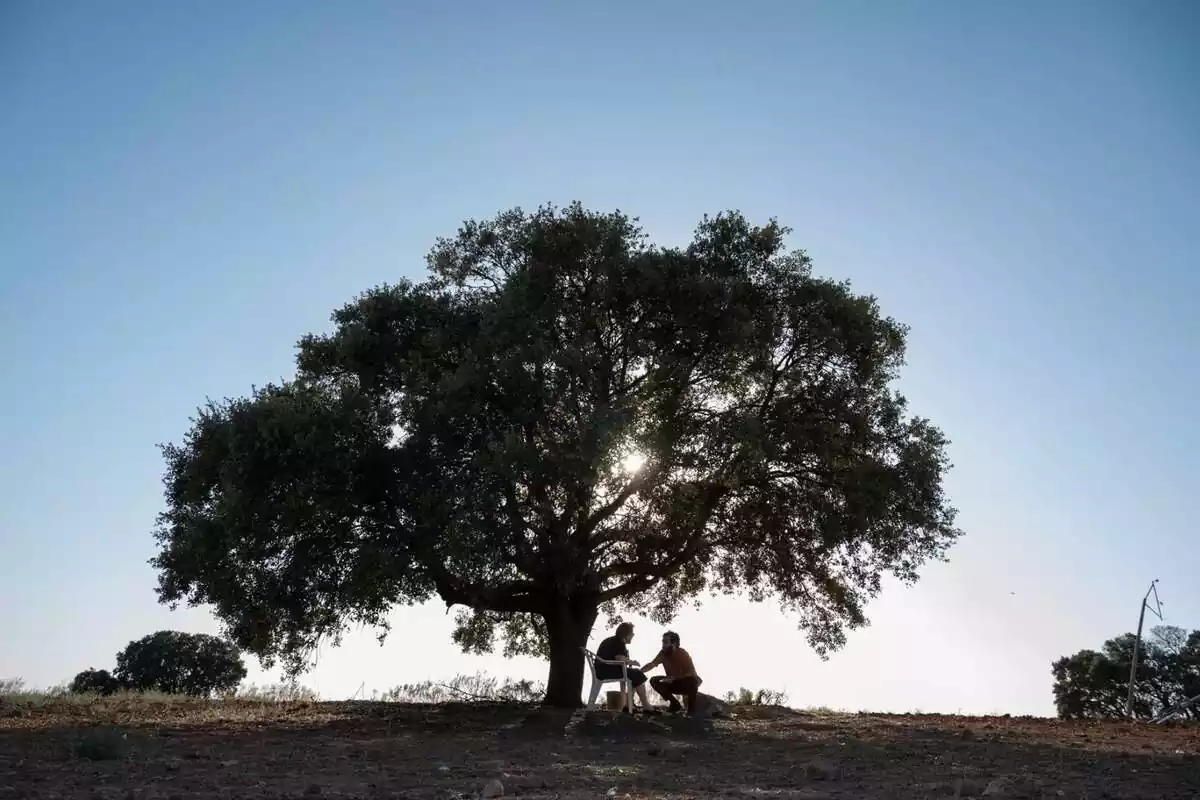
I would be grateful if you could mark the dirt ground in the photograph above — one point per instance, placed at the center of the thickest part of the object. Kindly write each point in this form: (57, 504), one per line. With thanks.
(237, 749)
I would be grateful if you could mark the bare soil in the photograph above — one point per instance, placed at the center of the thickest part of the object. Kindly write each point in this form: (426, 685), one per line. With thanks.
(237, 749)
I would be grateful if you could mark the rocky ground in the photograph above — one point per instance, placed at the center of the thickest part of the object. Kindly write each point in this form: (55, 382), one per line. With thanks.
(136, 748)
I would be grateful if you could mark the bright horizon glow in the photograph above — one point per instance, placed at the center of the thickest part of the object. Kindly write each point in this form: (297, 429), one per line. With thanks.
(194, 186)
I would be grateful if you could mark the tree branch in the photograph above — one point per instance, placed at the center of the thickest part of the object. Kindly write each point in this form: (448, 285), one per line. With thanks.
(537, 486)
(776, 370)
(651, 574)
(519, 528)
(644, 477)
(646, 575)
(605, 511)
(509, 597)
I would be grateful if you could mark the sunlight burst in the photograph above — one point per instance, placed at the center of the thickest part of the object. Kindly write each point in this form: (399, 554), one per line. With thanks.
(633, 462)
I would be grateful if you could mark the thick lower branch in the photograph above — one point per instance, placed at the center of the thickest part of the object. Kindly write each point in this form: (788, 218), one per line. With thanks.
(506, 597)
(634, 586)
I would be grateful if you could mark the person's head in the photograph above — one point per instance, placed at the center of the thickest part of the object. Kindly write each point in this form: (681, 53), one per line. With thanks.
(670, 641)
(625, 632)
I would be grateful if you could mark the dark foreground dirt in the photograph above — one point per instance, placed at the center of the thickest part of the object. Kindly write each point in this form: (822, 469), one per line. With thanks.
(237, 749)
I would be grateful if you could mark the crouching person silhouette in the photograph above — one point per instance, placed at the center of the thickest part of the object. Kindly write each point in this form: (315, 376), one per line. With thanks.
(680, 680)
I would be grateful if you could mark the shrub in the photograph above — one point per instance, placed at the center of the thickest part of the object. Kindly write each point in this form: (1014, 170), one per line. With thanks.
(479, 687)
(102, 744)
(761, 697)
(180, 663)
(278, 693)
(94, 681)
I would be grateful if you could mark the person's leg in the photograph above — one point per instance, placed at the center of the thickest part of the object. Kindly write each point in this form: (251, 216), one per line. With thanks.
(607, 672)
(666, 689)
(637, 679)
(689, 688)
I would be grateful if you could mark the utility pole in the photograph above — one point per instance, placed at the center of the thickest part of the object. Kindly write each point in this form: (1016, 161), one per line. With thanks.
(1137, 642)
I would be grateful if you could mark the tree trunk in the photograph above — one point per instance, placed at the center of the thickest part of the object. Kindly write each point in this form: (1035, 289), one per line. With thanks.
(567, 628)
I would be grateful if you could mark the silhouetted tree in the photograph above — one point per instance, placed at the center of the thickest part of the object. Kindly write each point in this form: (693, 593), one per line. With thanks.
(94, 681)
(1095, 685)
(180, 663)
(475, 437)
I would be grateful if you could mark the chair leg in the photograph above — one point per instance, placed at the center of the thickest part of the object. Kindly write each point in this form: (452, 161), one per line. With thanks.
(594, 693)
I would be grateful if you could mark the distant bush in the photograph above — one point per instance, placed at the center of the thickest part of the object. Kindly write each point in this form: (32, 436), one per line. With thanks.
(180, 663)
(95, 681)
(479, 687)
(760, 697)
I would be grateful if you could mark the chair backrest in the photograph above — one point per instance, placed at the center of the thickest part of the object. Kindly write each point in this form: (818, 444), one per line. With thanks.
(590, 657)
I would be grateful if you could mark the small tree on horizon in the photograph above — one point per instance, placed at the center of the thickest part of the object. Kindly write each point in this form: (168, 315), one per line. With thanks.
(180, 663)
(564, 420)
(94, 681)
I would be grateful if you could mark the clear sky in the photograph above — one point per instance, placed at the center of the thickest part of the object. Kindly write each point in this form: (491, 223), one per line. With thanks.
(186, 188)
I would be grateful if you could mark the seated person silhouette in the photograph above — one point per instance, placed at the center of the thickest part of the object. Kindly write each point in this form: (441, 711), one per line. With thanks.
(616, 648)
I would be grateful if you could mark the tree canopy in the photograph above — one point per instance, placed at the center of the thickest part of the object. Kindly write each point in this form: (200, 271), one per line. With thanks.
(1095, 684)
(563, 419)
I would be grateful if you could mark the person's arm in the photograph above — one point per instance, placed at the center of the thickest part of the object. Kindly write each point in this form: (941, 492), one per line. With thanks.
(621, 656)
(687, 667)
(654, 662)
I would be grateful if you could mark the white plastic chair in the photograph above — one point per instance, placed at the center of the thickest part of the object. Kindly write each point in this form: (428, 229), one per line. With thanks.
(626, 684)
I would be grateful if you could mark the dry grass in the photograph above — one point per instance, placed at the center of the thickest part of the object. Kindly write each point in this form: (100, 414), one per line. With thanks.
(130, 746)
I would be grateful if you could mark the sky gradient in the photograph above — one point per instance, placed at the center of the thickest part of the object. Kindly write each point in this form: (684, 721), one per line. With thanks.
(186, 189)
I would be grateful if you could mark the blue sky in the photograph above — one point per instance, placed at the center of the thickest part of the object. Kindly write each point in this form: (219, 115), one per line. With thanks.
(188, 188)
